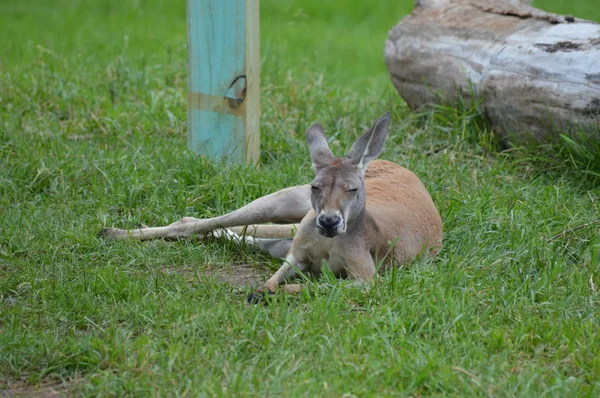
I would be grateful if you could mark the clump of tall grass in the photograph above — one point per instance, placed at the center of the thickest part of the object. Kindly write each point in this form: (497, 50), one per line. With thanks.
(576, 153)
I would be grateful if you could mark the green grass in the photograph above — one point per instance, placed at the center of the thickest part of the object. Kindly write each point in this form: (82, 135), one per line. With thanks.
(93, 134)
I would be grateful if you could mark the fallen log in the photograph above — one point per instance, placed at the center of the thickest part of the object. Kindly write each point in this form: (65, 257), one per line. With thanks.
(533, 73)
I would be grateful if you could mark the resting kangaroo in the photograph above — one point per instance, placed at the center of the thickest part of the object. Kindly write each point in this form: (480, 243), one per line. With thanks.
(357, 211)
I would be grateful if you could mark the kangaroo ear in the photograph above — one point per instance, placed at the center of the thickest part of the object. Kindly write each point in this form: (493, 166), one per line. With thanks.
(320, 154)
(367, 146)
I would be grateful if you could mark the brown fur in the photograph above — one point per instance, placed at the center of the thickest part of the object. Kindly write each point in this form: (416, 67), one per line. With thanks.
(399, 208)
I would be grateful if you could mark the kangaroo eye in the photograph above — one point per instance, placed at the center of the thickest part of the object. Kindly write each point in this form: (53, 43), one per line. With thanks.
(314, 188)
(353, 190)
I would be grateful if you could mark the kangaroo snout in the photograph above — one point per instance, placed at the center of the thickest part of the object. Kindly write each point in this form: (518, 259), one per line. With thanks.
(330, 224)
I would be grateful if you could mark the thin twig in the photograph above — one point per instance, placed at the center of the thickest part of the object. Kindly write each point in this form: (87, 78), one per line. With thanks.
(472, 375)
(568, 231)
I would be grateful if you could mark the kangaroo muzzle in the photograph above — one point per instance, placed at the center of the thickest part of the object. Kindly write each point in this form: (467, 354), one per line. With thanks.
(330, 223)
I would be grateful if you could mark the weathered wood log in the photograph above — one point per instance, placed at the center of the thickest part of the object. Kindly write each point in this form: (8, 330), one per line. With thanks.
(535, 73)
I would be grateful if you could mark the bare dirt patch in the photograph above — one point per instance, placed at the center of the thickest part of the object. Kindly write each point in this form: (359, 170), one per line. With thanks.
(237, 275)
(43, 390)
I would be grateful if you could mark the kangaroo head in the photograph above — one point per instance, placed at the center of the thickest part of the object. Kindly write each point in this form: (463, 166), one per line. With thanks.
(338, 189)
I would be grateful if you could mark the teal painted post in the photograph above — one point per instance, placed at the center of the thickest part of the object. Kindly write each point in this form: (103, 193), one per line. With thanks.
(224, 63)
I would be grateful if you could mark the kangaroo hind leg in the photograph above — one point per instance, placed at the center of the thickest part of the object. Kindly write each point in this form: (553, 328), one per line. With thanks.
(287, 205)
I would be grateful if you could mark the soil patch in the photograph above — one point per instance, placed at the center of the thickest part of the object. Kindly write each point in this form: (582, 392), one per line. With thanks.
(239, 275)
(42, 390)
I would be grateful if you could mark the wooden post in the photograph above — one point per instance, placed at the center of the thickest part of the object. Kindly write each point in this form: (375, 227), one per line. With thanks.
(224, 63)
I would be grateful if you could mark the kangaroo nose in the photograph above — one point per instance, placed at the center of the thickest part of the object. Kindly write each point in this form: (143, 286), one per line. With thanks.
(329, 221)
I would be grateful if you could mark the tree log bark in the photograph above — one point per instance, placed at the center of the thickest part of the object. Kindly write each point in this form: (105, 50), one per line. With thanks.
(534, 73)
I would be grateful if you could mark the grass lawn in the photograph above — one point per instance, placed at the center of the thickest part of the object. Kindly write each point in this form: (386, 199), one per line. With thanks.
(93, 134)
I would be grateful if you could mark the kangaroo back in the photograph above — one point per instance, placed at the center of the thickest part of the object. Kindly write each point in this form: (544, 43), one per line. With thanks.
(399, 210)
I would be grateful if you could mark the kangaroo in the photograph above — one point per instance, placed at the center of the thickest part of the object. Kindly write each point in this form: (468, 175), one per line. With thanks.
(357, 212)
